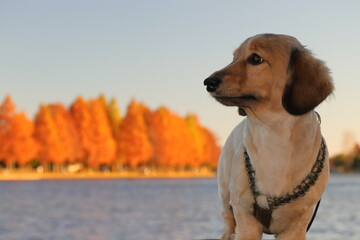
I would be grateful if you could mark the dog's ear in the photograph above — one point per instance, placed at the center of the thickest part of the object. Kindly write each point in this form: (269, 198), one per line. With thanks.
(308, 84)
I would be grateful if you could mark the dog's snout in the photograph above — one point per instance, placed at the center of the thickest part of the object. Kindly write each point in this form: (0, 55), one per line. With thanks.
(212, 83)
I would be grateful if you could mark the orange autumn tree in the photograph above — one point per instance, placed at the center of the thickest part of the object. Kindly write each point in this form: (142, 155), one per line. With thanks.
(67, 134)
(7, 113)
(207, 151)
(82, 120)
(16, 135)
(183, 145)
(57, 136)
(160, 138)
(211, 149)
(46, 133)
(171, 139)
(134, 146)
(197, 139)
(22, 146)
(103, 144)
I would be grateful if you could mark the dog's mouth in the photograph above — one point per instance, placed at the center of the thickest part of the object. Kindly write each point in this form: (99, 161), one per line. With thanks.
(240, 101)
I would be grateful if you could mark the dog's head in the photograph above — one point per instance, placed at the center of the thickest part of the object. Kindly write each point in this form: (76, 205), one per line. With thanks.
(274, 72)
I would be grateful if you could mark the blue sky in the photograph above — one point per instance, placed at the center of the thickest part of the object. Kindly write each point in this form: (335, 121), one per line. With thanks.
(161, 51)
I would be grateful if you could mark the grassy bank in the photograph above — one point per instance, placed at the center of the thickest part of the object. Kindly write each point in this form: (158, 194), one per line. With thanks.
(33, 176)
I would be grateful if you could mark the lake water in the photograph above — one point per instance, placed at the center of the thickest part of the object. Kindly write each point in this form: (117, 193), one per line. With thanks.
(162, 209)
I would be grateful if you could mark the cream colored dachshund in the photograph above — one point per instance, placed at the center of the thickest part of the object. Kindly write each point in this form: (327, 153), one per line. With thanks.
(274, 166)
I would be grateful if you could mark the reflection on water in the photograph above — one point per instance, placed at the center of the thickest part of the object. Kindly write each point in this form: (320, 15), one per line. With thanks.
(147, 209)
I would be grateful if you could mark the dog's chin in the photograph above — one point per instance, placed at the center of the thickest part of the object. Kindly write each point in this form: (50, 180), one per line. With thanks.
(240, 101)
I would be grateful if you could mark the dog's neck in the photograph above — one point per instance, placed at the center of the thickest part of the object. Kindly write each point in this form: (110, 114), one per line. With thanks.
(282, 148)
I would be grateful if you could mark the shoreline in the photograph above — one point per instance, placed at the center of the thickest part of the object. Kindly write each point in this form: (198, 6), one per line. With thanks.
(33, 176)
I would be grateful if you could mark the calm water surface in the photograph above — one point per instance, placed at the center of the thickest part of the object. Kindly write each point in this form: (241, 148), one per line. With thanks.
(162, 209)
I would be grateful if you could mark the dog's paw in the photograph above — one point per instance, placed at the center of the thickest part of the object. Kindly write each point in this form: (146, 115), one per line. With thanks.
(228, 236)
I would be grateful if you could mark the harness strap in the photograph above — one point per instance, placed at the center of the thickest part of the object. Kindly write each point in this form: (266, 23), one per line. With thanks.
(313, 216)
(264, 216)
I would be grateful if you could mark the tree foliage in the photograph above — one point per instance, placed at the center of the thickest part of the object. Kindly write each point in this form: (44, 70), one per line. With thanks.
(134, 147)
(102, 141)
(348, 161)
(47, 135)
(93, 133)
(16, 135)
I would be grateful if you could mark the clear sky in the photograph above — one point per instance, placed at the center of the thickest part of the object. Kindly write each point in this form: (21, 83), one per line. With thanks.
(161, 51)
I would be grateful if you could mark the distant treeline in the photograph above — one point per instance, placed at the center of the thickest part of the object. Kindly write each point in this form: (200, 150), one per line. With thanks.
(93, 134)
(347, 162)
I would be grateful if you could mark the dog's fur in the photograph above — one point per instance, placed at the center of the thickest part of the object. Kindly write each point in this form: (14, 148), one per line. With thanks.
(281, 134)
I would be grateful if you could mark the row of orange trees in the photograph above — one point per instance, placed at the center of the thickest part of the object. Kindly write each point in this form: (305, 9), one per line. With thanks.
(93, 133)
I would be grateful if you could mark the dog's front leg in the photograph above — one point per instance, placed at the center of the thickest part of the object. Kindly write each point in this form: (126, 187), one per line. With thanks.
(297, 228)
(229, 223)
(247, 227)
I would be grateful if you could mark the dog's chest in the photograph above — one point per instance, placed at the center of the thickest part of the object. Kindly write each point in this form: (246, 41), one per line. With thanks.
(272, 171)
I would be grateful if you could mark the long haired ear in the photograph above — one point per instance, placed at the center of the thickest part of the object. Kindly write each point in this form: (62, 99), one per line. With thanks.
(309, 82)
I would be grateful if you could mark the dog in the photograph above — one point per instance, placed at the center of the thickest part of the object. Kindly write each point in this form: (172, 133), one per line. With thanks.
(274, 166)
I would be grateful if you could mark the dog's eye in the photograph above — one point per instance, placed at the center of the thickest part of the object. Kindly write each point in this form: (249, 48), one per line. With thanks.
(255, 59)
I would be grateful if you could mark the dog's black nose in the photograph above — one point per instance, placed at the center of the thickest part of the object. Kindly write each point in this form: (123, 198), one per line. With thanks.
(212, 83)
